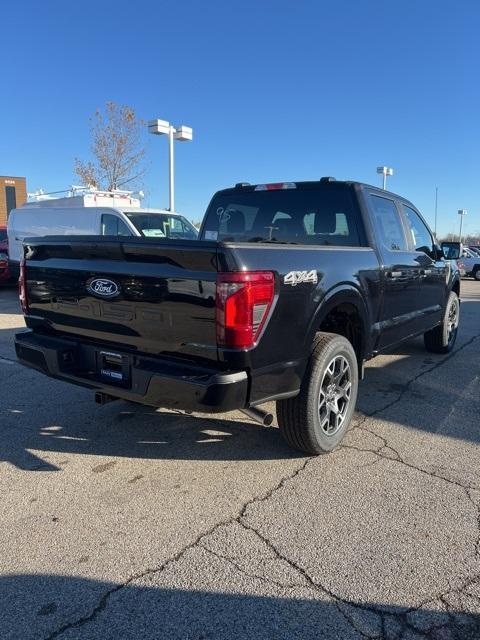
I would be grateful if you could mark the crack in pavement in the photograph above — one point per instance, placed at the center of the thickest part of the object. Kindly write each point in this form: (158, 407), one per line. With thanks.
(383, 616)
(310, 581)
(103, 602)
(410, 465)
(385, 447)
(476, 506)
(249, 574)
(408, 384)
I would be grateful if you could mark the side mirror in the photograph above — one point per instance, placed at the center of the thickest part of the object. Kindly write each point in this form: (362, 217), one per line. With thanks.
(439, 255)
(451, 250)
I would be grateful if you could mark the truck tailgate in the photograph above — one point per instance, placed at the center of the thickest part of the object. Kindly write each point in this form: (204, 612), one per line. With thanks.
(139, 293)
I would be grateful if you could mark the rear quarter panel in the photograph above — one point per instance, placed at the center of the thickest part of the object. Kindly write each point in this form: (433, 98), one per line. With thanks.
(344, 274)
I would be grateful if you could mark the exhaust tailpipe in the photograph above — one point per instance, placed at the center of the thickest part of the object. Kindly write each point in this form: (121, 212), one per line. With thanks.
(103, 398)
(262, 417)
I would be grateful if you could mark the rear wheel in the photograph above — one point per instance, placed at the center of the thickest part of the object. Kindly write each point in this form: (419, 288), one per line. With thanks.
(476, 273)
(442, 338)
(316, 420)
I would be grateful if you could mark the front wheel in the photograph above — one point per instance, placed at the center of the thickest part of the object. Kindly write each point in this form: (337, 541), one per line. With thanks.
(441, 339)
(476, 273)
(316, 420)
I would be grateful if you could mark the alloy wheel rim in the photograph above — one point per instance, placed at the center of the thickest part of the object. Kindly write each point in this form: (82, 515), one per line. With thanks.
(452, 320)
(335, 395)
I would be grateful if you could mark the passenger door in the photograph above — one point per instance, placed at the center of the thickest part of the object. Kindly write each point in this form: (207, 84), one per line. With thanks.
(400, 314)
(433, 271)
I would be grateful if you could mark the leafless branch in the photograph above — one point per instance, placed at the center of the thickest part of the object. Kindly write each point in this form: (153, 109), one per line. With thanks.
(117, 148)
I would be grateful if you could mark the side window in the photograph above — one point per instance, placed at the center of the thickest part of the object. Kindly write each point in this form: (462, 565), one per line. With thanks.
(113, 226)
(388, 223)
(176, 225)
(122, 229)
(420, 235)
(109, 225)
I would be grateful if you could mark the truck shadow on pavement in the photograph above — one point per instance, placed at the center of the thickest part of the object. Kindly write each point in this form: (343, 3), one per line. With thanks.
(51, 606)
(423, 391)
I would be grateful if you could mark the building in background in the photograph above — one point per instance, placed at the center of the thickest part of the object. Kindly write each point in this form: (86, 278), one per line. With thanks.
(13, 193)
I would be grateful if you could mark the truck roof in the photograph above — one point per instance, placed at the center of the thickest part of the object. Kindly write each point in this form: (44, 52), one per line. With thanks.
(60, 206)
(310, 184)
(304, 184)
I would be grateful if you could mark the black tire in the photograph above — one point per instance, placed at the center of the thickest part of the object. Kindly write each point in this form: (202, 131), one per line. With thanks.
(476, 273)
(300, 418)
(441, 339)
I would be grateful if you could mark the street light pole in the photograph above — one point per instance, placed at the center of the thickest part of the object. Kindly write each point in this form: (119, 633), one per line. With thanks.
(385, 171)
(171, 169)
(182, 133)
(461, 213)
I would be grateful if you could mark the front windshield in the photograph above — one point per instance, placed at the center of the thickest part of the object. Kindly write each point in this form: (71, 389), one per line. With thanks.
(162, 225)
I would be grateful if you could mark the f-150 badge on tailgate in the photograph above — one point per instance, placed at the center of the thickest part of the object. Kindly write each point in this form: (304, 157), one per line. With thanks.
(103, 288)
(299, 277)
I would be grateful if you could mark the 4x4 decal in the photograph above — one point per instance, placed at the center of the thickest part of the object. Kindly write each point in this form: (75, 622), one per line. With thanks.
(299, 277)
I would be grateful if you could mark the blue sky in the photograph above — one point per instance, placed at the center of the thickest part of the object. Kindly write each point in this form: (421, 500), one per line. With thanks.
(274, 90)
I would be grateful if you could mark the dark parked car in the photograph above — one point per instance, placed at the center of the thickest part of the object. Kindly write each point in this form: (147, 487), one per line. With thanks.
(4, 270)
(287, 292)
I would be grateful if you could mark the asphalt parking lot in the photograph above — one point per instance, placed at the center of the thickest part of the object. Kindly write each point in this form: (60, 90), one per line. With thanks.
(125, 522)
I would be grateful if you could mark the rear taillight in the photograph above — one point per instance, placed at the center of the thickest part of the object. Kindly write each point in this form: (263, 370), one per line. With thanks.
(244, 300)
(22, 286)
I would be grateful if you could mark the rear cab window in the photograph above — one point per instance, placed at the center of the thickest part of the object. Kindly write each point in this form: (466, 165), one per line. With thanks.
(317, 214)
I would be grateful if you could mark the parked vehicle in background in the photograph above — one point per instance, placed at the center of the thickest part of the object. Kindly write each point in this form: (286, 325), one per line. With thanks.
(475, 249)
(3, 240)
(5, 276)
(461, 268)
(290, 288)
(470, 263)
(92, 213)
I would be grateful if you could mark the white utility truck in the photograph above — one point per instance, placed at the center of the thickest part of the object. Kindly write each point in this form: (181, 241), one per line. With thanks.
(104, 213)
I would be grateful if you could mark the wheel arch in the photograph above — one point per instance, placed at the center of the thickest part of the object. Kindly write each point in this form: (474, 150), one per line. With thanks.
(456, 286)
(343, 310)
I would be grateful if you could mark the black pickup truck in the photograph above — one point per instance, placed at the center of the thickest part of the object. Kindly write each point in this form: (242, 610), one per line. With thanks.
(288, 290)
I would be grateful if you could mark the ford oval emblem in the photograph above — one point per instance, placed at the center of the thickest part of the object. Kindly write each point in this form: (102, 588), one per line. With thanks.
(103, 287)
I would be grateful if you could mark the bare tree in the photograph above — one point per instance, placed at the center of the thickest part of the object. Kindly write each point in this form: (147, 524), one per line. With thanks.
(470, 238)
(117, 149)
